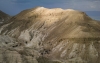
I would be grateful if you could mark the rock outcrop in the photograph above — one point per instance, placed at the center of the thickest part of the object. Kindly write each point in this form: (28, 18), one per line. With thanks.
(42, 35)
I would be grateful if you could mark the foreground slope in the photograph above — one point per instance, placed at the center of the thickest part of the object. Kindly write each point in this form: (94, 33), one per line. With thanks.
(68, 36)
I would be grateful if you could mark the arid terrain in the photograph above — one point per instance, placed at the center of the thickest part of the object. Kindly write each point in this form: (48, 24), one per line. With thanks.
(42, 35)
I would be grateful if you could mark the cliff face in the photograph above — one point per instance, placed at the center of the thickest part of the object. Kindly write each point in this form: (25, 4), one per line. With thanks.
(56, 35)
(4, 17)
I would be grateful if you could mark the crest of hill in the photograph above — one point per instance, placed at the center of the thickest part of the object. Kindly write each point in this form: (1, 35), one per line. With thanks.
(56, 11)
(70, 15)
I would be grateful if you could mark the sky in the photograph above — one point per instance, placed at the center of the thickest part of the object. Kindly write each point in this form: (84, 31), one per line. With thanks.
(13, 7)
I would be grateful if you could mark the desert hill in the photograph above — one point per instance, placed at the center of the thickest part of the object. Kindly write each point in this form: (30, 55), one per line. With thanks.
(56, 35)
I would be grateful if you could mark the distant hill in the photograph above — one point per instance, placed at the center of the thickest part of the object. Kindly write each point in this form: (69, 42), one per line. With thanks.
(4, 17)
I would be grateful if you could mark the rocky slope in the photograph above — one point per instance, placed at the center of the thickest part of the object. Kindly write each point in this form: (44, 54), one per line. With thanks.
(42, 35)
(4, 17)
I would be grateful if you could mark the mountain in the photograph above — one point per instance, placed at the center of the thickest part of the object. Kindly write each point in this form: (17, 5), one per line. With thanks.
(42, 35)
(4, 17)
